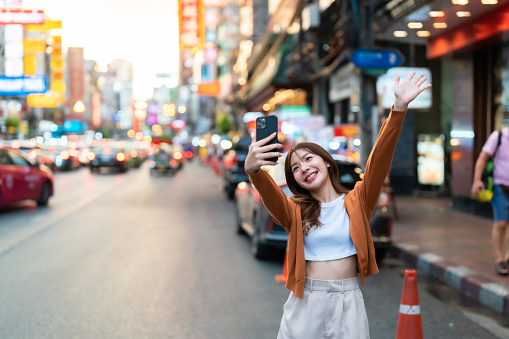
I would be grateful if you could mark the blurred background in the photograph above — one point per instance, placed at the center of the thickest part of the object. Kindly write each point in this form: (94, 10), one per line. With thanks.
(131, 122)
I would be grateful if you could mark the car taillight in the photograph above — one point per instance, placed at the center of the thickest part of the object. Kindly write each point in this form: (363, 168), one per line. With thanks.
(134, 154)
(235, 162)
(177, 155)
(32, 154)
(384, 200)
(270, 227)
(91, 156)
(106, 151)
(189, 154)
(120, 156)
(389, 226)
(64, 155)
(173, 163)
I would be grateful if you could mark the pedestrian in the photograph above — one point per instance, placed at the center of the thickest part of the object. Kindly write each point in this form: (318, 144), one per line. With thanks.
(500, 200)
(329, 240)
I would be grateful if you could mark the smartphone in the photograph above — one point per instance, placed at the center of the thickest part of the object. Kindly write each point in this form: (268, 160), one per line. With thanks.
(265, 126)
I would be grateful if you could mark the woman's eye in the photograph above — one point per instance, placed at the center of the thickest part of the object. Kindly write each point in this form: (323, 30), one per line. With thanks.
(308, 158)
(295, 169)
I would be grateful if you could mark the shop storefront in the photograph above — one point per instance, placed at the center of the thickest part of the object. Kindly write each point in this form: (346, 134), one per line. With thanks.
(468, 55)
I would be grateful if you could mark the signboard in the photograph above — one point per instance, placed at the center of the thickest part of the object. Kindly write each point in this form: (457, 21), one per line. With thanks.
(73, 126)
(374, 58)
(21, 16)
(13, 50)
(51, 100)
(13, 3)
(430, 159)
(57, 67)
(385, 82)
(46, 26)
(178, 124)
(22, 85)
(191, 24)
(346, 130)
(340, 87)
(34, 46)
(209, 88)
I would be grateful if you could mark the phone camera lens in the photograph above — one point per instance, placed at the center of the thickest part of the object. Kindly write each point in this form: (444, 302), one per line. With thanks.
(260, 123)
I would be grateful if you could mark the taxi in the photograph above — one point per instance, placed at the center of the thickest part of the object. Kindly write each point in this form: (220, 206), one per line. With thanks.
(21, 179)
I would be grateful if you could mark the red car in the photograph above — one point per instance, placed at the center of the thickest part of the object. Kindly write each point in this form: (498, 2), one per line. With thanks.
(20, 179)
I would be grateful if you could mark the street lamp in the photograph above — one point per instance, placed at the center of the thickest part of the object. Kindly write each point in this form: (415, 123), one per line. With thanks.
(79, 107)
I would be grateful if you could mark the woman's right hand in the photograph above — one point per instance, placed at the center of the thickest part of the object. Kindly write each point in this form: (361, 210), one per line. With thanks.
(259, 152)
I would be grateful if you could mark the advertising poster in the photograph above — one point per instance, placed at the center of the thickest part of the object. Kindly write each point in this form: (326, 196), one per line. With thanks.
(430, 159)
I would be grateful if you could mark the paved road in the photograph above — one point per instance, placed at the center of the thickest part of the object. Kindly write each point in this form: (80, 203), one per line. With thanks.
(135, 256)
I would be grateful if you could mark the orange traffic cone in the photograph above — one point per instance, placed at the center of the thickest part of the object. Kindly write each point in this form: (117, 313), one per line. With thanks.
(281, 278)
(409, 322)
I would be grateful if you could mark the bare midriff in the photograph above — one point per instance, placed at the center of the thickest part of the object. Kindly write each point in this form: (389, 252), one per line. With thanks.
(338, 269)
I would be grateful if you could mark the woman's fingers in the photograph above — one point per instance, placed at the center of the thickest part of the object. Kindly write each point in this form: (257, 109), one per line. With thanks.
(265, 140)
(270, 147)
(410, 76)
(267, 155)
(421, 80)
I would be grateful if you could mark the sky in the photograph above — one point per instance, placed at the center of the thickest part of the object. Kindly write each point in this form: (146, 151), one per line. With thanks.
(144, 32)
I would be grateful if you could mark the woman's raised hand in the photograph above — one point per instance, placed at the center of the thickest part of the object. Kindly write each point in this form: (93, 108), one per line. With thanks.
(259, 152)
(407, 90)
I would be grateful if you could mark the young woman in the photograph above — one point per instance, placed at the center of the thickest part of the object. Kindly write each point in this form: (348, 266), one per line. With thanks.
(329, 241)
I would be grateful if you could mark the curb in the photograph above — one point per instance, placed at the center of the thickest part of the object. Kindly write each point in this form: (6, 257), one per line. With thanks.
(484, 290)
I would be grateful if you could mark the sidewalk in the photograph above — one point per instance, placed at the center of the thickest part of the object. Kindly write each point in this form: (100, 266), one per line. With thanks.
(451, 245)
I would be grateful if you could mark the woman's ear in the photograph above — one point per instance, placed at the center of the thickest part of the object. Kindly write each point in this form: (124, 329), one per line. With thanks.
(327, 164)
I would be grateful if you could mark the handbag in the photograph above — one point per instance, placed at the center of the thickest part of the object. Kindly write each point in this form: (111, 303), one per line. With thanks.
(487, 176)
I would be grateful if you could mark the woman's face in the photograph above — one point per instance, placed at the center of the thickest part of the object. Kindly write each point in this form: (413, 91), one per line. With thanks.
(309, 170)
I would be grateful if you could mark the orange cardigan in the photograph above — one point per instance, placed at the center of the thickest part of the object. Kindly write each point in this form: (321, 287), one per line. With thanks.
(359, 204)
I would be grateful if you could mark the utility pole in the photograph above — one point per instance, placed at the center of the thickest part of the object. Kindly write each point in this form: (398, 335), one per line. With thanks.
(368, 83)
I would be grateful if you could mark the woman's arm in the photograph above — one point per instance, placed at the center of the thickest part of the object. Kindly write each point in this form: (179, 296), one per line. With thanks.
(272, 195)
(380, 158)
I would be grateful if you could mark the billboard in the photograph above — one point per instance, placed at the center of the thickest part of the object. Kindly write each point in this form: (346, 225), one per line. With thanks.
(430, 159)
(21, 16)
(22, 85)
(386, 81)
(191, 25)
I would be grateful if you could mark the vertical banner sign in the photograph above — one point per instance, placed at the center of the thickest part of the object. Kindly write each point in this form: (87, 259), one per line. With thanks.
(191, 25)
(57, 67)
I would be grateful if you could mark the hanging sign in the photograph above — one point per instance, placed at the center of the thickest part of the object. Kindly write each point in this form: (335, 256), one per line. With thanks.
(21, 16)
(22, 85)
(191, 25)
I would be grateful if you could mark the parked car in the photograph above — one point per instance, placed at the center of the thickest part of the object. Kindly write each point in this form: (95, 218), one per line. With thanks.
(253, 218)
(108, 156)
(22, 179)
(233, 165)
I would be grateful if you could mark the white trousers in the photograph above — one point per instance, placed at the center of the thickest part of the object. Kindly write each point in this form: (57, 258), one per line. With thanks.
(330, 309)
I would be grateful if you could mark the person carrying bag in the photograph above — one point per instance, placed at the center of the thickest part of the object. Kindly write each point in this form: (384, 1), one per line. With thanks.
(496, 147)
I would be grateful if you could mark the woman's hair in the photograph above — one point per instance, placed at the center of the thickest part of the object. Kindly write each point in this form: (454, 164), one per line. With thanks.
(310, 207)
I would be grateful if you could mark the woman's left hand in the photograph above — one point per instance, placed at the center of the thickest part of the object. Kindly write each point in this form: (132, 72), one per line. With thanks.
(407, 90)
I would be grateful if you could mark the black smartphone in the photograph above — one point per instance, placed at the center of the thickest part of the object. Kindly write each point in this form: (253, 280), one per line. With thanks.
(265, 126)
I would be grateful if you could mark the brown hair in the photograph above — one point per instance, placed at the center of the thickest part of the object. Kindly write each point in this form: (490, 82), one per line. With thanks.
(310, 207)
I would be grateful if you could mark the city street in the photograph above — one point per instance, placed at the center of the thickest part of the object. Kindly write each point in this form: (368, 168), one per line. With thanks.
(139, 256)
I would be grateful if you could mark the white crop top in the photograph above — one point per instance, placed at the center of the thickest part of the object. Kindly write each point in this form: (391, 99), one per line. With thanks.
(331, 240)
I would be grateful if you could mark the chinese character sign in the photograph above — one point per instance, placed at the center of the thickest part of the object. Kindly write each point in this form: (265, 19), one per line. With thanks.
(191, 24)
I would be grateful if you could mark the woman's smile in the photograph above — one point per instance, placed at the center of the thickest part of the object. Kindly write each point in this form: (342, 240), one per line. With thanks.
(311, 177)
